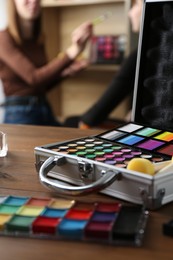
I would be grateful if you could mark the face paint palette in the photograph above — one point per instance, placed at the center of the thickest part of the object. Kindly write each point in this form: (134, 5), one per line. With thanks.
(118, 146)
(52, 218)
(99, 163)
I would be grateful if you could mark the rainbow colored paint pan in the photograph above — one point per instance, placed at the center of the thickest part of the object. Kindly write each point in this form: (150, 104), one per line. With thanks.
(81, 221)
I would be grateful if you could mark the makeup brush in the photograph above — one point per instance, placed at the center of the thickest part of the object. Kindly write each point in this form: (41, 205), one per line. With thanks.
(101, 18)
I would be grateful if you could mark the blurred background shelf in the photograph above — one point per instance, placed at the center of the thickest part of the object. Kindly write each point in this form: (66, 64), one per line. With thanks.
(49, 3)
(106, 67)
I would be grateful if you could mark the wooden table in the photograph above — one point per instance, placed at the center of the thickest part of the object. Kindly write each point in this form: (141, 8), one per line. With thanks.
(19, 177)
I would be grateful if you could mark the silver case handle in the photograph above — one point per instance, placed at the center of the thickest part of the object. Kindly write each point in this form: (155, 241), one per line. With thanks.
(107, 178)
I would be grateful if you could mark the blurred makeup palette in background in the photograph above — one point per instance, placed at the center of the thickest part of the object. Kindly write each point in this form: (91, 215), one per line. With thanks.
(111, 223)
(107, 49)
(118, 146)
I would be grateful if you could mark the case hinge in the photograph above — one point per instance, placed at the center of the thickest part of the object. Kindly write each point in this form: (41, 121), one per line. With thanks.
(149, 201)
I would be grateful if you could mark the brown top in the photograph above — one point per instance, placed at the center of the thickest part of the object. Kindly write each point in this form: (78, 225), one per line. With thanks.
(24, 69)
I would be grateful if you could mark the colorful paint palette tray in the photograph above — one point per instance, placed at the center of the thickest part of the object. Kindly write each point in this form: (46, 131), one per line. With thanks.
(109, 223)
(118, 146)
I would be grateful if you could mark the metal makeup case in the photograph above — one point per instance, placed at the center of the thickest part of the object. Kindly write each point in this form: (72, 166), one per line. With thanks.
(76, 175)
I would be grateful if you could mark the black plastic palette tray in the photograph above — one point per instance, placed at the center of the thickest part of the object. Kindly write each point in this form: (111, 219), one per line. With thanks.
(54, 218)
(167, 228)
(118, 146)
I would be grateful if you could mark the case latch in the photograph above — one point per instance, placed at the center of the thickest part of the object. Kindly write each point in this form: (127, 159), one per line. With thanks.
(85, 168)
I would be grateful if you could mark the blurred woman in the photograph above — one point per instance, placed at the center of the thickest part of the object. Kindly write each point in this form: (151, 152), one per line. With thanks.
(25, 72)
(122, 84)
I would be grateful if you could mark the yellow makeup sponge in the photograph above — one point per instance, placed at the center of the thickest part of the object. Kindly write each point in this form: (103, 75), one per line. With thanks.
(141, 165)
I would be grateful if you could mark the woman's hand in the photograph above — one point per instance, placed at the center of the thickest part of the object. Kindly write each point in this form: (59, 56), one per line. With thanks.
(74, 68)
(80, 37)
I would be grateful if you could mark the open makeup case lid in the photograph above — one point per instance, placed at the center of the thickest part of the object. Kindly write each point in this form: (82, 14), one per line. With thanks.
(152, 114)
(153, 99)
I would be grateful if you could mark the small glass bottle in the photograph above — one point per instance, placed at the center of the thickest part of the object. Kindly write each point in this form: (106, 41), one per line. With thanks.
(3, 144)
